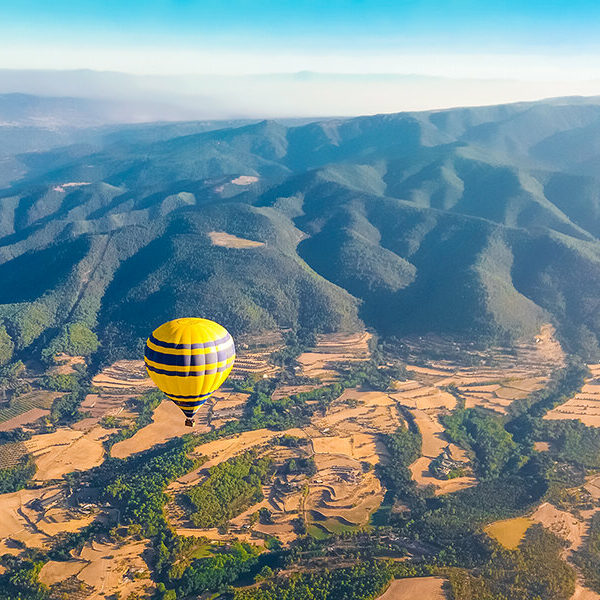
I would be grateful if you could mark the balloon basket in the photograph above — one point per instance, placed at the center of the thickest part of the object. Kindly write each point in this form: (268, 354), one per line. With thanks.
(189, 422)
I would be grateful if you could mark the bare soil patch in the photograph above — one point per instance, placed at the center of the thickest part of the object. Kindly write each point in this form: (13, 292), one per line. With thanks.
(31, 416)
(357, 411)
(65, 364)
(582, 593)
(56, 571)
(561, 523)
(33, 517)
(228, 240)
(244, 180)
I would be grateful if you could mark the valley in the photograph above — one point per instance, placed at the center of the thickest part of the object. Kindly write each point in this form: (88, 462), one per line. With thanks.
(326, 477)
(414, 409)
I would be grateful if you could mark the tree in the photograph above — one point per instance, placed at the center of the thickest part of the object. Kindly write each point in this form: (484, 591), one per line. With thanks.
(7, 346)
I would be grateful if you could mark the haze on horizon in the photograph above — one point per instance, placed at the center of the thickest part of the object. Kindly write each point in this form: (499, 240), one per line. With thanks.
(301, 58)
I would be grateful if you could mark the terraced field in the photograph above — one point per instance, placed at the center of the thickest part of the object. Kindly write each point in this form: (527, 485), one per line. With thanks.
(585, 405)
(331, 349)
(502, 376)
(341, 496)
(253, 355)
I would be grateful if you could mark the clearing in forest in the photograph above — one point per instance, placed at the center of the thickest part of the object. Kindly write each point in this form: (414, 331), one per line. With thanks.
(416, 588)
(228, 240)
(509, 532)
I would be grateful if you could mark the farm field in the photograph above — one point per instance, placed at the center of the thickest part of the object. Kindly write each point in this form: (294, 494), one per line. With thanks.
(105, 568)
(27, 408)
(66, 450)
(509, 532)
(34, 517)
(585, 405)
(331, 349)
(253, 354)
(344, 443)
(416, 588)
(502, 376)
(167, 423)
(113, 387)
(340, 496)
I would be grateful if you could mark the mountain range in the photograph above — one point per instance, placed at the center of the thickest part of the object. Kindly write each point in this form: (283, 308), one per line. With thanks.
(480, 222)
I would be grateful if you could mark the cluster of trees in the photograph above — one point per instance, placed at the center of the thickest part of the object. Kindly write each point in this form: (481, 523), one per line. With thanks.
(214, 573)
(61, 382)
(494, 449)
(11, 382)
(7, 346)
(364, 581)
(573, 442)
(534, 570)
(75, 339)
(230, 488)
(19, 581)
(63, 543)
(189, 566)
(296, 466)
(295, 344)
(136, 484)
(454, 521)
(290, 441)
(65, 409)
(404, 447)
(16, 477)
(527, 425)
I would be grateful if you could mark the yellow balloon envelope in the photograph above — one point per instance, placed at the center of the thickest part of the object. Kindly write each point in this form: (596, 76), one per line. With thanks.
(189, 359)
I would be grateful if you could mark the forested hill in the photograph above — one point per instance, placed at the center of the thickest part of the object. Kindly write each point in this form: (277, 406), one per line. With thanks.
(477, 221)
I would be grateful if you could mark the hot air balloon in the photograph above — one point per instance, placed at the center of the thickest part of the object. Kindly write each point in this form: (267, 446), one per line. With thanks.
(189, 359)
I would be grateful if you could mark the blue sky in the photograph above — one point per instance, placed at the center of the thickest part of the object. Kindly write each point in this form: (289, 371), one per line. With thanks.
(512, 50)
(525, 39)
(341, 25)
